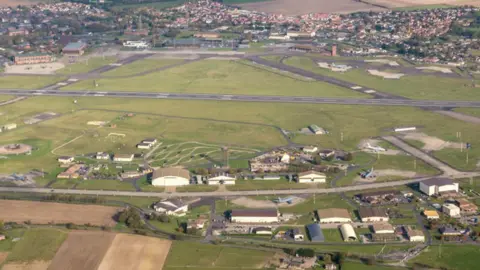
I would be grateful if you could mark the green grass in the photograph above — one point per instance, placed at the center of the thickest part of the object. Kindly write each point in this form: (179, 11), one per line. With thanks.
(141, 66)
(7, 244)
(360, 266)
(65, 183)
(415, 87)
(332, 235)
(455, 257)
(142, 202)
(241, 185)
(420, 7)
(37, 244)
(320, 202)
(84, 66)
(458, 159)
(470, 111)
(196, 188)
(197, 255)
(218, 76)
(106, 185)
(28, 82)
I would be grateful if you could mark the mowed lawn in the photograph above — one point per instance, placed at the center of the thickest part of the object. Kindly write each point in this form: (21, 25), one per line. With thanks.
(37, 244)
(197, 256)
(106, 185)
(86, 65)
(28, 82)
(415, 87)
(218, 76)
(141, 66)
(455, 257)
(241, 185)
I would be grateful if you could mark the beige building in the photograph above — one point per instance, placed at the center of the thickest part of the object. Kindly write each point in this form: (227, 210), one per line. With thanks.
(334, 215)
(451, 210)
(170, 177)
(373, 214)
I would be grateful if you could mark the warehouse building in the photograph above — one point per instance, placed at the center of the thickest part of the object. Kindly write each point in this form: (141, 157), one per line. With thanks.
(123, 157)
(174, 207)
(33, 58)
(311, 177)
(315, 233)
(268, 215)
(415, 235)
(221, 179)
(436, 186)
(431, 214)
(66, 159)
(333, 215)
(74, 49)
(451, 210)
(348, 233)
(373, 214)
(317, 130)
(170, 177)
(382, 228)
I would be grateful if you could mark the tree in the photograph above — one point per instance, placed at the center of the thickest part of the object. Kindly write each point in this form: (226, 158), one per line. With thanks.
(305, 252)
(329, 158)
(327, 258)
(201, 171)
(370, 261)
(348, 156)
(317, 160)
(163, 218)
(2, 226)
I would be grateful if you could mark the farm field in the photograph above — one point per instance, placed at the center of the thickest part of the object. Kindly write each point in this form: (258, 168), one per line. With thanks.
(218, 76)
(141, 66)
(84, 65)
(135, 252)
(424, 4)
(82, 250)
(45, 212)
(415, 87)
(198, 256)
(449, 256)
(28, 82)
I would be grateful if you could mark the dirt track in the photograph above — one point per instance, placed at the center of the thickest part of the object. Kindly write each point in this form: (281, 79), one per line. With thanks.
(45, 212)
(431, 143)
(82, 250)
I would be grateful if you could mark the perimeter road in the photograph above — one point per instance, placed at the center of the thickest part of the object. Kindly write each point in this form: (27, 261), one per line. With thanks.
(247, 98)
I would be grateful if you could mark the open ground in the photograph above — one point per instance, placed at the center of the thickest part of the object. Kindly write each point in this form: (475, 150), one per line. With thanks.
(46, 212)
(413, 4)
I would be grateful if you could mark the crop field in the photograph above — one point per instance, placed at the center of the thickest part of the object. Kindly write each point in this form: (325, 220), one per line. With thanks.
(35, 249)
(82, 250)
(86, 65)
(217, 76)
(415, 87)
(28, 82)
(45, 212)
(197, 256)
(141, 66)
(135, 252)
(292, 7)
(450, 257)
(423, 4)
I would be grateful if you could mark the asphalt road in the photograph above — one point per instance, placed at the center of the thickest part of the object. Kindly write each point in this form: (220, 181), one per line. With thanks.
(248, 98)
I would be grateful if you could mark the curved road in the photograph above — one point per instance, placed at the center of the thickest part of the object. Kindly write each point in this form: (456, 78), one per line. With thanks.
(248, 98)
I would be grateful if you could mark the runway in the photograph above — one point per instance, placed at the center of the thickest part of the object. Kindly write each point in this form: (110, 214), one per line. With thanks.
(246, 98)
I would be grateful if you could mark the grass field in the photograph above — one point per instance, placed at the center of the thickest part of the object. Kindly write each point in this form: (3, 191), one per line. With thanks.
(37, 244)
(84, 66)
(450, 256)
(141, 66)
(319, 202)
(415, 87)
(28, 82)
(360, 266)
(106, 185)
(198, 256)
(241, 185)
(458, 159)
(65, 183)
(332, 235)
(218, 76)
(420, 7)
(470, 111)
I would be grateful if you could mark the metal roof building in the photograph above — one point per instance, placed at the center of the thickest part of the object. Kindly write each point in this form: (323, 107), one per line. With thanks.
(348, 233)
(315, 232)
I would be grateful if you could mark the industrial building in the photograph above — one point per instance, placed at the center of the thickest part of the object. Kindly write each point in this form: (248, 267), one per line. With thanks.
(32, 58)
(310, 149)
(221, 179)
(171, 207)
(315, 232)
(348, 233)
(123, 157)
(268, 215)
(262, 230)
(164, 177)
(373, 214)
(334, 215)
(74, 49)
(451, 210)
(317, 130)
(436, 186)
(415, 235)
(382, 228)
(431, 214)
(311, 177)
(102, 156)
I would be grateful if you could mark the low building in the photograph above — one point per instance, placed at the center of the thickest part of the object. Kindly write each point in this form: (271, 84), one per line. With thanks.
(296, 234)
(315, 232)
(451, 210)
(334, 215)
(66, 160)
(150, 141)
(221, 179)
(310, 149)
(373, 214)
(311, 177)
(32, 58)
(262, 230)
(326, 153)
(299, 34)
(123, 157)
(466, 206)
(348, 233)
(2, 237)
(415, 235)
(74, 48)
(72, 172)
(308, 48)
(317, 130)
(198, 223)
(9, 126)
(382, 228)
(174, 207)
(102, 156)
(384, 237)
(269, 215)
(431, 214)
(144, 146)
(436, 186)
(164, 177)
(378, 197)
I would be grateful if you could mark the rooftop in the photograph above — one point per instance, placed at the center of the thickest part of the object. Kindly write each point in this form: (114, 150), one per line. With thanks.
(267, 212)
(333, 213)
(75, 46)
(438, 182)
(372, 212)
(163, 172)
(382, 227)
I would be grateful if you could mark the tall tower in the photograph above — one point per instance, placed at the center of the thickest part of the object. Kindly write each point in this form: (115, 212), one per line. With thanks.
(334, 50)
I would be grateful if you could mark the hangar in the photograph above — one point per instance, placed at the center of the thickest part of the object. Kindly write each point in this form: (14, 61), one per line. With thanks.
(437, 186)
(334, 215)
(348, 233)
(170, 177)
(315, 232)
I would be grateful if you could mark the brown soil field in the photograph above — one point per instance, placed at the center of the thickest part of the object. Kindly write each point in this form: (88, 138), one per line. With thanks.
(135, 252)
(3, 256)
(45, 212)
(411, 3)
(299, 7)
(37, 265)
(14, 3)
(83, 250)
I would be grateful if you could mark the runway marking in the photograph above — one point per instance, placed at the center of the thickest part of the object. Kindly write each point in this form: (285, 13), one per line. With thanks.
(62, 83)
(356, 87)
(227, 97)
(162, 96)
(98, 95)
(72, 80)
(369, 91)
(116, 64)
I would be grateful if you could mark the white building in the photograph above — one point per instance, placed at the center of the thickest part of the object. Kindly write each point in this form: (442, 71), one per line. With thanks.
(144, 146)
(102, 156)
(415, 235)
(348, 233)
(171, 207)
(9, 126)
(311, 177)
(66, 160)
(310, 149)
(285, 159)
(221, 179)
(368, 214)
(170, 177)
(438, 185)
(383, 228)
(123, 157)
(334, 215)
(269, 215)
(451, 209)
(136, 44)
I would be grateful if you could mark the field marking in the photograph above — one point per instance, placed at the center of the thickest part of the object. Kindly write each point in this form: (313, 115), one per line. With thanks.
(72, 140)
